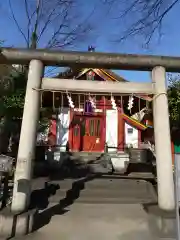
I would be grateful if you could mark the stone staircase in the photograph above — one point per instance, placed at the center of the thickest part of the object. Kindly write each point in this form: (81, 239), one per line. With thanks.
(119, 159)
(85, 157)
(99, 162)
(94, 189)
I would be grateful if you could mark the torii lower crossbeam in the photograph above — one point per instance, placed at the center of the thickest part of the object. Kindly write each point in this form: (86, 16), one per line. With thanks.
(97, 86)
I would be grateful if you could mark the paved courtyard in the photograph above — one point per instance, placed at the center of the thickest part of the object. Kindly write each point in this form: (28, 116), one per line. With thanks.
(122, 209)
(96, 221)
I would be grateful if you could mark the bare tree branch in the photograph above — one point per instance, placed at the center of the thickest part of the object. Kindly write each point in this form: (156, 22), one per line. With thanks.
(17, 24)
(65, 35)
(55, 23)
(60, 20)
(29, 20)
(46, 24)
(145, 17)
(37, 15)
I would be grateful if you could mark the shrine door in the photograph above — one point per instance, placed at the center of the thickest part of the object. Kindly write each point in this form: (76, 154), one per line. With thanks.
(88, 133)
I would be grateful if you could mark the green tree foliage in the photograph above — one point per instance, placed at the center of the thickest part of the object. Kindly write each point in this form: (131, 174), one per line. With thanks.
(11, 105)
(12, 89)
(16, 97)
(174, 99)
(12, 96)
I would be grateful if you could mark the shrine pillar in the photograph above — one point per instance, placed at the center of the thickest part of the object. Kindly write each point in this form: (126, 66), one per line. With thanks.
(165, 182)
(22, 179)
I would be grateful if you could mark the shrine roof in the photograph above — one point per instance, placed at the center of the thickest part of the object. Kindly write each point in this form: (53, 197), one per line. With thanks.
(109, 75)
(134, 122)
(106, 74)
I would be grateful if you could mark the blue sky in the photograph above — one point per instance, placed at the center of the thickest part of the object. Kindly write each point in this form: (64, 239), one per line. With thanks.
(105, 29)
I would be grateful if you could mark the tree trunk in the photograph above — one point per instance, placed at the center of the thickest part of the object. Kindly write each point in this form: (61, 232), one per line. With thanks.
(5, 133)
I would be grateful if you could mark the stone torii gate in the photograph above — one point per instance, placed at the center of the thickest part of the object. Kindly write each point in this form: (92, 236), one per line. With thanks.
(38, 59)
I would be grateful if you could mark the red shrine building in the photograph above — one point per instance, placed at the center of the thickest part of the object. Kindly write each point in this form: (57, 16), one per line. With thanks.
(89, 123)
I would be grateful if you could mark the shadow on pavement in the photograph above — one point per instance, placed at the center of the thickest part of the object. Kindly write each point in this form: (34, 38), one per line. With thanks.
(39, 197)
(40, 200)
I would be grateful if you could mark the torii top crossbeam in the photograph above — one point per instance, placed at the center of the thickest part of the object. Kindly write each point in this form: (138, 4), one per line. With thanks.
(90, 59)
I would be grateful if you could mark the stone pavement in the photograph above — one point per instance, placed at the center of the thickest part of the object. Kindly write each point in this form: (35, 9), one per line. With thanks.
(95, 221)
(122, 209)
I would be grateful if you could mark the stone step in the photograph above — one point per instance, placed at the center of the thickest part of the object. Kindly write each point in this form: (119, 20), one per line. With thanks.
(86, 154)
(100, 200)
(102, 197)
(107, 192)
(107, 182)
(63, 184)
(110, 189)
(124, 194)
(116, 183)
(141, 175)
(113, 200)
(98, 154)
(104, 182)
(118, 154)
(98, 190)
(85, 157)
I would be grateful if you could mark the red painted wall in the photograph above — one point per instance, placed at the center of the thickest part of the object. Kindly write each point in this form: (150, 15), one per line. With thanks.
(121, 132)
(52, 133)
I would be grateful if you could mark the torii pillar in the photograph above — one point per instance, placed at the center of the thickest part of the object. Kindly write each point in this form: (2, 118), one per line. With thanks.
(165, 181)
(23, 173)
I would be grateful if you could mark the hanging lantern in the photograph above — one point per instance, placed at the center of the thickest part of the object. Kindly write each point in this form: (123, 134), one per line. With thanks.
(71, 104)
(113, 103)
